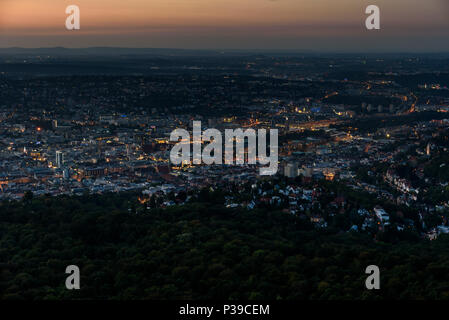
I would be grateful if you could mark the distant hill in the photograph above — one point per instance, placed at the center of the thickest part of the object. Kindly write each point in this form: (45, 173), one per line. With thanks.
(61, 51)
(121, 51)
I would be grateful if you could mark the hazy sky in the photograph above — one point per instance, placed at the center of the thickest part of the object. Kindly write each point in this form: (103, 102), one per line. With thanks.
(329, 25)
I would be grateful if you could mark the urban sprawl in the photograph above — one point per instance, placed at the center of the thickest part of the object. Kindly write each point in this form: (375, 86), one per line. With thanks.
(363, 141)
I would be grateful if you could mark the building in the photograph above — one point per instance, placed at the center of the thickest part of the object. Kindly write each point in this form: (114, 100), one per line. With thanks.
(382, 215)
(291, 170)
(306, 172)
(66, 174)
(59, 159)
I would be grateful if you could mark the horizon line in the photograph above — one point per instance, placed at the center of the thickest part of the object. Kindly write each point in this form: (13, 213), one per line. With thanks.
(223, 50)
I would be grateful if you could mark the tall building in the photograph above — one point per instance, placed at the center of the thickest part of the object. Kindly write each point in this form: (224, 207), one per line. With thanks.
(59, 159)
(128, 152)
(291, 170)
(66, 174)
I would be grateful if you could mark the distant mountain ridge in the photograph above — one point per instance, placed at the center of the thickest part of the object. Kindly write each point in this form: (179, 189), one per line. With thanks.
(124, 51)
(104, 51)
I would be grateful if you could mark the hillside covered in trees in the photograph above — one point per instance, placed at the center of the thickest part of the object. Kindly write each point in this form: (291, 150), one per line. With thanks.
(200, 251)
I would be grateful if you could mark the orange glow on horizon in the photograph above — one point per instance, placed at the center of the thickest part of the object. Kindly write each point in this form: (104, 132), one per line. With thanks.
(175, 23)
(28, 14)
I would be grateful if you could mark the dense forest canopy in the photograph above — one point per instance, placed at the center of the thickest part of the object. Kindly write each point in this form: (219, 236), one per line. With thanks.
(200, 251)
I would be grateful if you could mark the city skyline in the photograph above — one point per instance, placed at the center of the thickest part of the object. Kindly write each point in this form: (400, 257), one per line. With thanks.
(281, 174)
